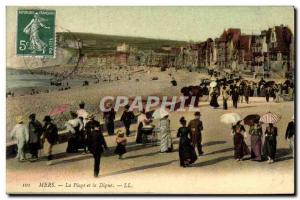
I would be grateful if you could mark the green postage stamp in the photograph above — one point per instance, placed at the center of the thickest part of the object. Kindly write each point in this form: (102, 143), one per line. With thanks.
(36, 33)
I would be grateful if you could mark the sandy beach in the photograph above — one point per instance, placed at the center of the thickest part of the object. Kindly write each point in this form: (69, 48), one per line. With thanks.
(216, 172)
(43, 103)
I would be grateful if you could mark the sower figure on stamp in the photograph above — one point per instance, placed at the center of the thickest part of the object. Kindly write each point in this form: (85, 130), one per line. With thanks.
(96, 141)
(196, 127)
(35, 131)
(32, 29)
(50, 137)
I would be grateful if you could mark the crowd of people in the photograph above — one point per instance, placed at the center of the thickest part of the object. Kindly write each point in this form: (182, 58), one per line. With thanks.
(240, 91)
(86, 133)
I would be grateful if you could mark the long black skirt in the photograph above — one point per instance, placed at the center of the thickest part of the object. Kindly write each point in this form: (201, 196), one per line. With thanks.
(270, 144)
(72, 144)
(214, 102)
(139, 137)
(187, 153)
(240, 147)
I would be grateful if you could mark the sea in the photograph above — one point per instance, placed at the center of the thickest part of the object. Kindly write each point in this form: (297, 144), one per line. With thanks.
(22, 78)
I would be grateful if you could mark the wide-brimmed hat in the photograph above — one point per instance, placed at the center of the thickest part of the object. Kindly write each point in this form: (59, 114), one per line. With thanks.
(120, 133)
(197, 113)
(31, 116)
(47, 118)
(19, 119)
(127, 106)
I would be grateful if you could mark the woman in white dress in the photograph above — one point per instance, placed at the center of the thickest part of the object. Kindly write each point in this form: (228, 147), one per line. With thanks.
(165, 132)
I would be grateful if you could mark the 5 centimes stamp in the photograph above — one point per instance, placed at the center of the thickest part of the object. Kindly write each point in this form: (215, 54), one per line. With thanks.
(36, 32)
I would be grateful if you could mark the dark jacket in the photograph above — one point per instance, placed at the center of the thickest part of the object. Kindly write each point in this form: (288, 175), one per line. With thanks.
(96, 141)
(235, 95)
(183, 132)
(247, 91)
(271, 131)
(35, 130)
(50, 133)
(109, 115)
(290, 131)
(195, 126)
(127, 117)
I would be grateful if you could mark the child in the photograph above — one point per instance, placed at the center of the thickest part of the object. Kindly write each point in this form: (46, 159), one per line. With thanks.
(121, 144)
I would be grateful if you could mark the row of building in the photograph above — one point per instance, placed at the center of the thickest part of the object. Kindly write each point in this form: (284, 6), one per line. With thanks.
(271, 51)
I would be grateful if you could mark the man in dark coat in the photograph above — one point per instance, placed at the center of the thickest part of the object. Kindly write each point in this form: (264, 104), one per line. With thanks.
(290, 134)
(127, 118)
(96, 141)
(109, 117)
(235, 96)
(268, 93)
(196, 127)
(247, 92)
(50, 137)
(35, 131)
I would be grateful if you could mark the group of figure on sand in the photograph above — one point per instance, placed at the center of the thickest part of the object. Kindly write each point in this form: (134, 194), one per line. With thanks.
(86, 133)
(244, 91)
(190, 136)
(259, 150)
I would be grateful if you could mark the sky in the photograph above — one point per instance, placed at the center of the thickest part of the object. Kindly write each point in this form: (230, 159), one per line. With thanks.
(177, 23)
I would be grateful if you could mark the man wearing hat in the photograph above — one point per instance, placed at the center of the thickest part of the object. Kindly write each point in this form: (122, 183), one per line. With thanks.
(127, 118)
(35, 132)
(290, 134)
(20, 132)
(109, 117)
(50, 137)
(96, 141)
(196, 127)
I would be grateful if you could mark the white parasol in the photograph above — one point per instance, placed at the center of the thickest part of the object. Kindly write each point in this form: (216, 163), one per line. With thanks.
(213, 84)
(230, 118)
(160, 113)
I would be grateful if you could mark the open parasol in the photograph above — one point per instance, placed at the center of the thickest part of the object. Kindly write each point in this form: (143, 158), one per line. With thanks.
(230, 118)
(250, 119)
(59, 109)
(270, 118)
(213, 84)
(160, 113)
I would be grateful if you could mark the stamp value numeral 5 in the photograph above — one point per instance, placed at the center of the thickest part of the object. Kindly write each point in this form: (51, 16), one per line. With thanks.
(23, 45)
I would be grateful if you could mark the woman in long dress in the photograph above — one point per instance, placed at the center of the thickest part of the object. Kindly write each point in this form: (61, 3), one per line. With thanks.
(256, 143)
(74, 126)
(187, 153)
(141, 122)
(240, 147)
(165, 132)
(270, 143)
(32, 29)
(214, 98)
